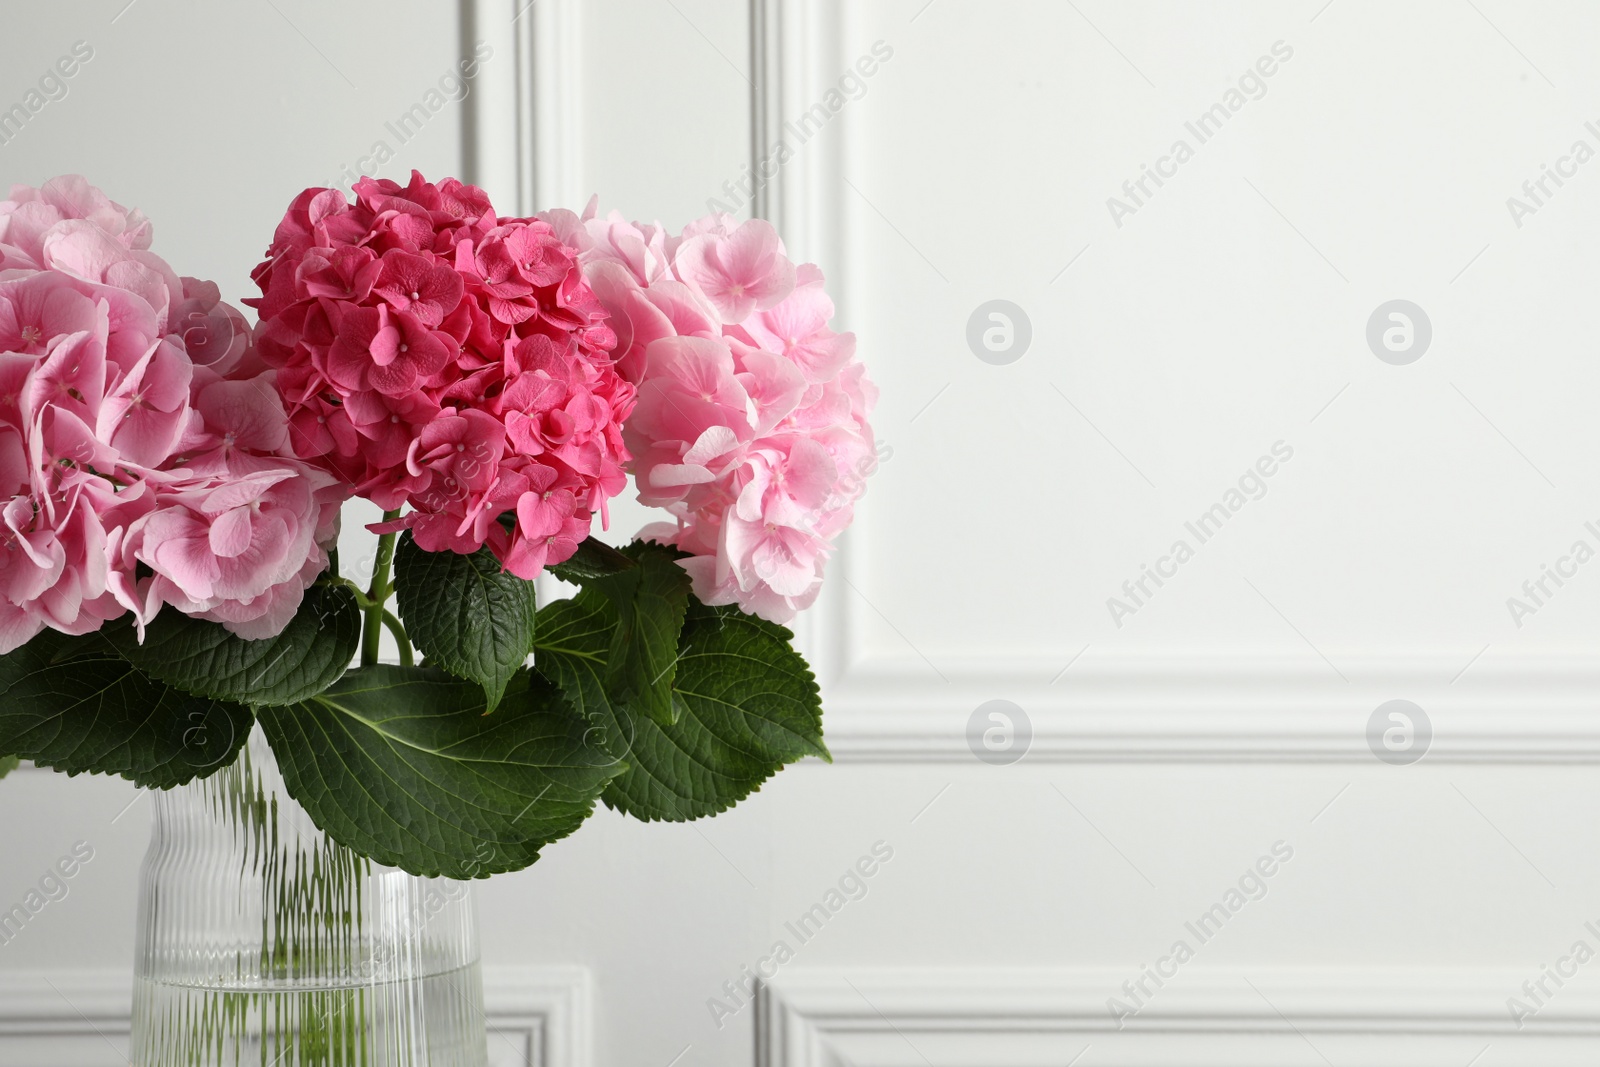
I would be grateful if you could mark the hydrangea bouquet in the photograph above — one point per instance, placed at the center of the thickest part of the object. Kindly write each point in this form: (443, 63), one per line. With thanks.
(171, 481)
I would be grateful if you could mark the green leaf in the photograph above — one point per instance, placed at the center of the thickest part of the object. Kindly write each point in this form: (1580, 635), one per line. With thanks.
(747, 703)
(8, 764)
(593, 559)
(466, 613)
(402, 765)
(651, 599)
(204, 658)
(73, 704)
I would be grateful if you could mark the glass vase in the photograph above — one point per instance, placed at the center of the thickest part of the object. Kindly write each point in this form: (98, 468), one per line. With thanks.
(261, 941)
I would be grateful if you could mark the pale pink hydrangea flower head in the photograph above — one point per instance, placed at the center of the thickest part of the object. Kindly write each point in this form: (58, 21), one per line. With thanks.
(144, 453)
(751, 419)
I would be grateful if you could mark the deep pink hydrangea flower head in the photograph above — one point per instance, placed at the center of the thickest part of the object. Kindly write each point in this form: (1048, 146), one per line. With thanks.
(144, 453)
(442, 359)
(751, 424)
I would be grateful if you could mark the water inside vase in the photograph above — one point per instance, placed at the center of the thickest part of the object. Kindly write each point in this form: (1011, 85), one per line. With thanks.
(437, 1020)
(261, 941)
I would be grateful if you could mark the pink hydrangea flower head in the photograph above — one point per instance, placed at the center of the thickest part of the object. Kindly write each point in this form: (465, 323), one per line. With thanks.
(144, 453)
(751, 421)
(29, 216)
(446, 361)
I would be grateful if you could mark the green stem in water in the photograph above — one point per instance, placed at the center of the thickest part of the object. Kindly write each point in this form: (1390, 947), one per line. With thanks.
(377, 593)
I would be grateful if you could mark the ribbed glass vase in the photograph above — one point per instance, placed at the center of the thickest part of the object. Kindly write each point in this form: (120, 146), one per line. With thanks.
(263, 942)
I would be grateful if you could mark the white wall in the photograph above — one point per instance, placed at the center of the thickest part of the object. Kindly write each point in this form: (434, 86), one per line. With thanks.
(1225, 314)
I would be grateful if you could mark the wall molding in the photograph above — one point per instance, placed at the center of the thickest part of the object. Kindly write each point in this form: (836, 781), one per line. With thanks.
(1234, 707)
(1141, 709)
(523, 142)
(538, 1017)
(795, 46)
(812, 1017)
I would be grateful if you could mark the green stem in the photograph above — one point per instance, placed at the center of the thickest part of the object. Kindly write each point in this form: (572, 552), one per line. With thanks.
(369, 608)
(377, 593)
(344, 583)
(400, 636)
